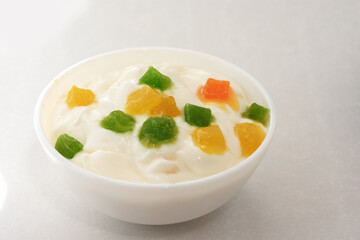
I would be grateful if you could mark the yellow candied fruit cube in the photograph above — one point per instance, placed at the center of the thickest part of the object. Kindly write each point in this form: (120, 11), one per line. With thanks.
(142, 101)
(209, 139)
(250, 135)
(80, 97)
(166, 107)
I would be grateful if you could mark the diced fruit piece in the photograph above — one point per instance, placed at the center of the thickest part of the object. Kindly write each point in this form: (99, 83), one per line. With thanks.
(257, 113)
(79, 97)
(197, 116)
(142, 101)
(209, 139)
(250, 136)
(166, 108)
(155, 79)
(216, 89)
(68, 146)
(119, 122)
(218, 93)
(156, 131)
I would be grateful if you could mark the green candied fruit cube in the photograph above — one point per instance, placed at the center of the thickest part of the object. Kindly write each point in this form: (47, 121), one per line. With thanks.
(68, 146)
(118, 121)
(156, 131)
(155, 79)
(197, 116)
(257, 113)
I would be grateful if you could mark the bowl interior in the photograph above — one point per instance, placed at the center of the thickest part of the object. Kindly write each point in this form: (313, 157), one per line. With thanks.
(120, 59)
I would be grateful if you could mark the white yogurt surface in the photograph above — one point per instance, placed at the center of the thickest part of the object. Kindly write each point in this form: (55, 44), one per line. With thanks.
(122, 156)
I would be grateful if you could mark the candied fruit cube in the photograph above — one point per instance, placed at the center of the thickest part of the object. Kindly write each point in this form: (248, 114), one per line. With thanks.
(68, 146)
(209, 139)
(142, 101)
(216, 89)
(257, 113)
(218, 93)
(250, 135)
(156, 131)
(79, 97)
(167, 107)
(119, 122)
(155, 79)
(197, 116)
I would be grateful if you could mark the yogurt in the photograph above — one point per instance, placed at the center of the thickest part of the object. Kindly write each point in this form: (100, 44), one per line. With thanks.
(122, 156)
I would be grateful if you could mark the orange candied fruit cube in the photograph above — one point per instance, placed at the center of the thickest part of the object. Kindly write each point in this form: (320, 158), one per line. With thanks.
(218, 93)
(216, 90)
(209, 139)
(142, 101)
(80, 97)
(166, 107)
(251, 136)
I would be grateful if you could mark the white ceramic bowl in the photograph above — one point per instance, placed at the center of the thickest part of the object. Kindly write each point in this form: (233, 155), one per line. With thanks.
(156, 203)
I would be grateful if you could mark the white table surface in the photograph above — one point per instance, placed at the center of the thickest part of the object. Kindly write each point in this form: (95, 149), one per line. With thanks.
(305, 53)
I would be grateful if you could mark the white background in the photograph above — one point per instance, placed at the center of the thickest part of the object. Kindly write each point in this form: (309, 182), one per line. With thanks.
(305, 53)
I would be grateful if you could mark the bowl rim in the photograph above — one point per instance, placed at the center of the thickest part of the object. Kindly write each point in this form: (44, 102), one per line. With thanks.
(50, 150)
